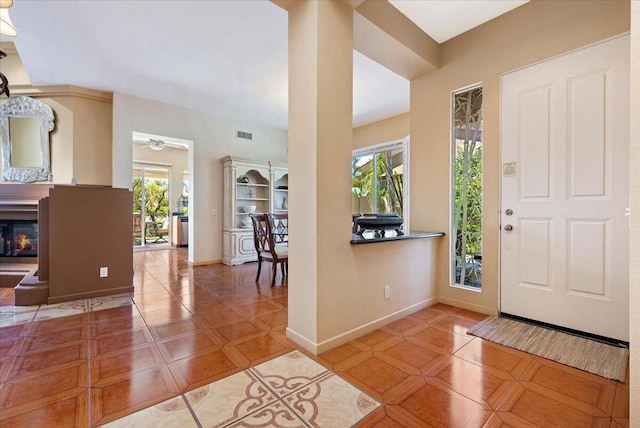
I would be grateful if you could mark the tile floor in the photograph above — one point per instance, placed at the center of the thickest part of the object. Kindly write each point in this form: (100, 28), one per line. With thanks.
(193, 330)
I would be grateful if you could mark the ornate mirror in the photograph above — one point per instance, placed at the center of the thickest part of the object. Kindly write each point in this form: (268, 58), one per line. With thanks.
(25, 124)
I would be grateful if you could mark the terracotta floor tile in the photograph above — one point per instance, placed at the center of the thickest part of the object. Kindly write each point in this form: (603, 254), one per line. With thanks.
(156, 305)
(339, 354)
(472, 381)
(440, 407)
(375, 375)
(222, 316)
(17, 330)
(584, 387)
(202, 368)
(63, 411)
(410, 357)
(429, 314)
(402, 325)
(274, 319)
(200, 324)
(173, 313)
(58, 324)
(176, 328)
(509, 361)
(72, 378)
(455, 323)
(546, 410)
(374, 338)
(119, 325)
(140, 390)
(259, 308)
(37, 361)
(239, 330)
(111, 314)
(620, 411)
(448, 341)
(109, 367)
(71, 336)
(262, 348)
(150, 294)
(121, 341)
(186, 345)
(444, 307)
(10, 346)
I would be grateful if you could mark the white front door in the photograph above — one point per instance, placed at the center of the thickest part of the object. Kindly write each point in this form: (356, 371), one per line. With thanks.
(565, 180)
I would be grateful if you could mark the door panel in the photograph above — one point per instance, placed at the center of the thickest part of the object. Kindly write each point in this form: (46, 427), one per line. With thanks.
(565, 146)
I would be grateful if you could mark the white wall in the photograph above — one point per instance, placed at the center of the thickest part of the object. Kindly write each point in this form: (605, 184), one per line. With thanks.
(213, 138)
(634, 283)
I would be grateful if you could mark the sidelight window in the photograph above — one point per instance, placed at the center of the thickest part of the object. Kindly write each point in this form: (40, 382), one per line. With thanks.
(466, 203)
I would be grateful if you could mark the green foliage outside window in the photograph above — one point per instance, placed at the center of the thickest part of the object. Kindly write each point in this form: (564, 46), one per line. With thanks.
(467, 180)
(156, 196)
(385, 185)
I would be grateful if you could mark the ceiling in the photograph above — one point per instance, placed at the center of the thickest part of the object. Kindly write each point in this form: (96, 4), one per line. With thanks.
(227, 58)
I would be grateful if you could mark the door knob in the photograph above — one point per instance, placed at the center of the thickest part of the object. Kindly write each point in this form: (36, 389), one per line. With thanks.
(508, 227)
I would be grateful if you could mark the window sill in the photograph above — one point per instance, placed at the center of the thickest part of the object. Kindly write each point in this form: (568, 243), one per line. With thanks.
(369, 238)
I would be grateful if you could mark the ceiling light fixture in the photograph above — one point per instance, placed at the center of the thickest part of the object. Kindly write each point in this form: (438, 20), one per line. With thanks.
(156, 144)
(6, 29)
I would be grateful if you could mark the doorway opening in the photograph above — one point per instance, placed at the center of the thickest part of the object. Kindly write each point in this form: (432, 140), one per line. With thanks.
(151, 190)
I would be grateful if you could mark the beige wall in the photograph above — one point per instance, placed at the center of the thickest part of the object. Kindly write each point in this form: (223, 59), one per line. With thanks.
(531, 33)
(80, 144)
(213, 138)
(635, 218)
(336, 290)
(382, 131)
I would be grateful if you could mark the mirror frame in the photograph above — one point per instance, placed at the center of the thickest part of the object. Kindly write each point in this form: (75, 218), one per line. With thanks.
(26, 107)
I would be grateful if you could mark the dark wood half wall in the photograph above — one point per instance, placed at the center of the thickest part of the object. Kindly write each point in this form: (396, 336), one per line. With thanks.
(89, 228)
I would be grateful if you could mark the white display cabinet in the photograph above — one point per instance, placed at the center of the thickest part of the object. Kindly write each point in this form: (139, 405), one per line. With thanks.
(249, 186)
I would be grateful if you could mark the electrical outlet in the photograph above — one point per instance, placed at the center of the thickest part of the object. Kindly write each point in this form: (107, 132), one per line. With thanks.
(104, 272)
(387, 291)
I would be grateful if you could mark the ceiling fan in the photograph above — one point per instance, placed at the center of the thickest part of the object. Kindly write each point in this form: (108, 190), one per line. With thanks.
(155, 144)
(159, 144)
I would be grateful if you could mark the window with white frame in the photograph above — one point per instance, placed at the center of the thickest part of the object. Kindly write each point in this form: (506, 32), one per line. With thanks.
(380, 179)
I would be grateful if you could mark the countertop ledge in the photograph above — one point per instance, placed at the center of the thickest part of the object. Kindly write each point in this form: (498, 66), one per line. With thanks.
(358, 239)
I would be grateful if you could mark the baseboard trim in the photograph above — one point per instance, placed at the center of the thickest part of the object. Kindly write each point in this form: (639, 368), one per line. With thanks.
(341, 339)
(300, 340)
(470, 306)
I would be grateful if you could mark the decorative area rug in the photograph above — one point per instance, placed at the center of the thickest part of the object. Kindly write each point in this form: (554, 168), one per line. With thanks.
(584, 354)
(289, 391)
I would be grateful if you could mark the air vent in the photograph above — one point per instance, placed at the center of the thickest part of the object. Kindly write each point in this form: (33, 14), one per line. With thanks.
(244, 135)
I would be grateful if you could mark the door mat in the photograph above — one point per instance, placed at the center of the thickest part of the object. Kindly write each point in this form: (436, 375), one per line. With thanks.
(584, 354)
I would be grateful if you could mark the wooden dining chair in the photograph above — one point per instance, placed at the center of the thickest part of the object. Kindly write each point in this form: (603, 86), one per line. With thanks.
(266, 247)
(279, 223)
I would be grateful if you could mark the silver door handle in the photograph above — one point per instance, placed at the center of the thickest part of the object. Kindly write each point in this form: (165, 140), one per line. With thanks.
(508, 227)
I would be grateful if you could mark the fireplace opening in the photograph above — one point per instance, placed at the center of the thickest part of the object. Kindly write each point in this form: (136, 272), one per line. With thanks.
(19, 238)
